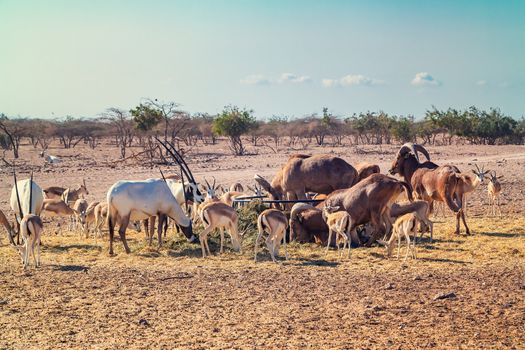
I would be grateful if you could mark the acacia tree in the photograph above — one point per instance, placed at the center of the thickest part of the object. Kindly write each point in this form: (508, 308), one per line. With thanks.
(233, 123)
(121, 121)
(13, 133)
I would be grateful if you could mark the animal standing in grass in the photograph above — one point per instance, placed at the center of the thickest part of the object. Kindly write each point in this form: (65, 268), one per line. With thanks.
(340, 223)
(138, 200)
(274, 223)
(217, 215)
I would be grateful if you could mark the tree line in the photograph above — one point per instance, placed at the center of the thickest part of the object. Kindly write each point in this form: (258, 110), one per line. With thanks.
(152, 118)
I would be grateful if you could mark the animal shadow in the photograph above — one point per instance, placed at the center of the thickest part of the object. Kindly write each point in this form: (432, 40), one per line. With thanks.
(502, 235)
(70, 268)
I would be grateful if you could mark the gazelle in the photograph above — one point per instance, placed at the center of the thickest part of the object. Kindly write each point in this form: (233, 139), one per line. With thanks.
(228, 197)
(74, 194)
(59, 207)
(339, 222)
(100, 212)
(90, 216)
(219, 215)
(470, 182)
(404, 226)
(274, 223)
(30, 230)
(494, 191)
(80, 207)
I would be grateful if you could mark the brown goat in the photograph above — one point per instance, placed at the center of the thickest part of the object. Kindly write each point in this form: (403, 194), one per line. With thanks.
(368, 201)
(301, 174)
(364, 170)
(431, 182)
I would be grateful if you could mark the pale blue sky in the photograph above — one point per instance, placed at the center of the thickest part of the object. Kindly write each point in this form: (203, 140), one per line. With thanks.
(277, 57)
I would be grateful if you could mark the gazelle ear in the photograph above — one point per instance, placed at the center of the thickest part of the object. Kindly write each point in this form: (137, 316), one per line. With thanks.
(500, 177)
(474, 171)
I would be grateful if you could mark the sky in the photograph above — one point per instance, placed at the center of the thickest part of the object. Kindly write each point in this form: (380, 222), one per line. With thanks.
(286, 58)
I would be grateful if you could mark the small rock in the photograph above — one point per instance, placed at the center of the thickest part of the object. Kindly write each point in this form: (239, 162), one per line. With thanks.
(143, 322)
(3, 302)
(522, 287)
(442, 296)
(418, 278)
(389, 286)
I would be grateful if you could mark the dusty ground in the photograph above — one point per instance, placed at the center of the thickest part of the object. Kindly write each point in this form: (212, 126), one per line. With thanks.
(171, 298)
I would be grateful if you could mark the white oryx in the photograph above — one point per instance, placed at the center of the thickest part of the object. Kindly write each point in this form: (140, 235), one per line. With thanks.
(139, 200)
(31, 200)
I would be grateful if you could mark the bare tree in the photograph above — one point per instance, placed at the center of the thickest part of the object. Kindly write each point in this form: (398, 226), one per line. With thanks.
(122, 123)
(13, 131)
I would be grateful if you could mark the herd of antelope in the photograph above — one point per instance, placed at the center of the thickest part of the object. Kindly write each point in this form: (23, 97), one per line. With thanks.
(354, 205)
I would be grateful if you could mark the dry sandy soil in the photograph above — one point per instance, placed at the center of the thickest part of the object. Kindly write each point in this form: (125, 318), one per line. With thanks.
(172, 298)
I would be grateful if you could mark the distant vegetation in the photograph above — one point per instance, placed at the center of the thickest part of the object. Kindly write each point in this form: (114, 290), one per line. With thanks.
(153, 118)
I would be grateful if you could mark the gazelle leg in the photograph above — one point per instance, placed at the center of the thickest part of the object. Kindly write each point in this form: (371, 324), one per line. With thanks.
(398, 245)
(284, 242)
(221, 232)
(329, 240)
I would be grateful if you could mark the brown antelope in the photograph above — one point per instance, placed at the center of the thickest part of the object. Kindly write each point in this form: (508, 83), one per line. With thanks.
(219, 215)
(228, 197)
(80, 207)
(59, 207)
(274, 223)
(403, 227)
(340, 223)
(419, 208)
(30, 230)
(90, 216)
(74, 194)
(469, 183)
(100, 212)
(494, 190)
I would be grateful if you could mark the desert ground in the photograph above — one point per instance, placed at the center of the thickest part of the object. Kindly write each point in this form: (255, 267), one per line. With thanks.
(463, 292)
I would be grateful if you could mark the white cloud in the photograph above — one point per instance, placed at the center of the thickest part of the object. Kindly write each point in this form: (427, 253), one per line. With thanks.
(351, 80)
(481, 83)
(285, 78)
(424, 79)
(255, 79)
(292, 78)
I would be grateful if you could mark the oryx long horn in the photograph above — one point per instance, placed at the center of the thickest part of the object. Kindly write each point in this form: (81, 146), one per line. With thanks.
(30, 191)
(20, 212)
(183, 170)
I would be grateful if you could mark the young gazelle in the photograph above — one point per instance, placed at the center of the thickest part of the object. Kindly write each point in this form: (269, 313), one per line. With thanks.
(30, 230)
(80, 208)
(404, 226)
(494, 190)
(275, 223)
(219, 215)
(90, 216)
(339, 222)
(470, 182)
